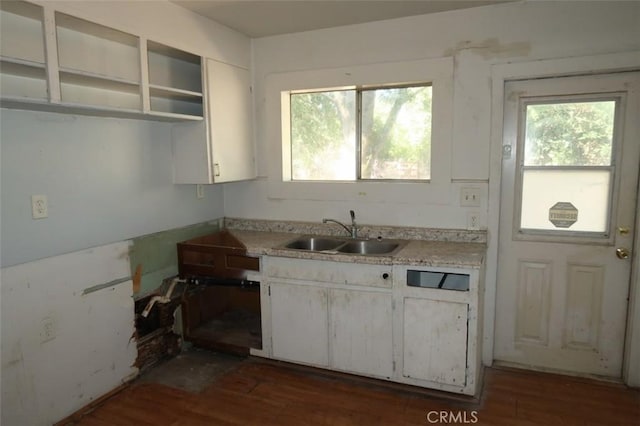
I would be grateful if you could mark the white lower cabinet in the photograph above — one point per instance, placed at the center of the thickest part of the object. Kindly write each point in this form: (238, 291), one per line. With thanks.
(361, 332)
(434, 341)
(437, 327)
(344, 324)
(413, 325)
(299, 323)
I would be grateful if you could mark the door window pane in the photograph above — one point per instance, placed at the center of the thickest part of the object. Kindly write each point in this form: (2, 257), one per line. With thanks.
(323, 135)
(567, 166)
(569, 134)
(587, 191)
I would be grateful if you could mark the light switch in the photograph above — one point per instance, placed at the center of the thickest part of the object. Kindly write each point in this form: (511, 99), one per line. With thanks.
(470, 197)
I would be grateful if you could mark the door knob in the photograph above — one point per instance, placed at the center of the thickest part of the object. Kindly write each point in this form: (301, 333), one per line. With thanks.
(622, 253)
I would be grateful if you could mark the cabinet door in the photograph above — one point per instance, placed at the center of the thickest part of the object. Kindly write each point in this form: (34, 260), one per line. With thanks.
(299, 323)
(229, 115)
(361, 332)
(435, 341)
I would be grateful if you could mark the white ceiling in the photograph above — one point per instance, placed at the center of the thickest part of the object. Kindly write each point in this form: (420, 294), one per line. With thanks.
(261, 18)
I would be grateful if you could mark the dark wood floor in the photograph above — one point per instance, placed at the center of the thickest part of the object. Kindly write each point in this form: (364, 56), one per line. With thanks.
(254, 392)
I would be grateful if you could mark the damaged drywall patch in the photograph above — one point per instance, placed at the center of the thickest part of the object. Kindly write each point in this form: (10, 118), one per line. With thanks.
(155, 337)
(491, 48)
(154, 257)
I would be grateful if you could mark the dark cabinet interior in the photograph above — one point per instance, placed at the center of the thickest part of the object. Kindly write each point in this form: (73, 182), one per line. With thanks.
(221, 309)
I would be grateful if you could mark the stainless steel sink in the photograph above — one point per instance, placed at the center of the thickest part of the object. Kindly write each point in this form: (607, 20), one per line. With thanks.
(368, 247)
(314, 244)
(344, 246)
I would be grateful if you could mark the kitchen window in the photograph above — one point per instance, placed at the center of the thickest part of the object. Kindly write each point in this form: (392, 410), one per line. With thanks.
(345, 177)
(360, 134)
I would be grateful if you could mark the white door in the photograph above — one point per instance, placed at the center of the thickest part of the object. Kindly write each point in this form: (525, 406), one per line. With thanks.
(570, 171)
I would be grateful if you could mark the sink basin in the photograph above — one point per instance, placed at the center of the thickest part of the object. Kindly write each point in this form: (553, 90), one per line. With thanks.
(339, 245)
(368, 247)
(314, 244)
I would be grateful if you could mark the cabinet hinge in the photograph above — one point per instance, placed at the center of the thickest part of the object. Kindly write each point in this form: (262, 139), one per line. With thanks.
(394, 366)
(269, 290)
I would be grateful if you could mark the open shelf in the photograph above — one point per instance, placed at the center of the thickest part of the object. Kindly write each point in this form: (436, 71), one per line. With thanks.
(175, 101)
(175, 81)
(99, 66)
(172, 116)
(22, 80)
(72, 76)
(84, 46)
(22, 31)
(98, 69)
(89, 89)
(23, 74)
(174, 105)
(173, 93)
(173, 68)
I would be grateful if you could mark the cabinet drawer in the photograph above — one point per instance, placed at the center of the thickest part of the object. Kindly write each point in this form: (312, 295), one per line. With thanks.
(330, 272)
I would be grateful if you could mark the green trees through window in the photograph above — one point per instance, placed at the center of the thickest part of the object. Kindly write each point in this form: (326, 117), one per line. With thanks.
(381, 133)
(569, 134)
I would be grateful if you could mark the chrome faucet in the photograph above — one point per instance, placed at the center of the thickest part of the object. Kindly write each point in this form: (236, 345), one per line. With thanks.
(351, 230)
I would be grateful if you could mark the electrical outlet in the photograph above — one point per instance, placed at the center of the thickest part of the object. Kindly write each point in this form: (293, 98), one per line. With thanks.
(470, 197)
(199, 191)
(39, 207)
(48, 330)
(473, 221)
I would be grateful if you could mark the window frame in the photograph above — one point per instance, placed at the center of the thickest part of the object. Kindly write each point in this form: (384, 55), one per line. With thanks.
(438, 71)
(561, 235)
(358, 92)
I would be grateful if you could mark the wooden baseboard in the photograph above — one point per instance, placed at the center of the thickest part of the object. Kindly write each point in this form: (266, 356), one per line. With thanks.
(77, 415)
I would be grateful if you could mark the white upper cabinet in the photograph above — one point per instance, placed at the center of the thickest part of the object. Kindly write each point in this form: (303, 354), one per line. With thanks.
(58, 62)
(229, 119)
(55, 61)
(22, 59)
(175, 82)
(221, 149)
(98, 66)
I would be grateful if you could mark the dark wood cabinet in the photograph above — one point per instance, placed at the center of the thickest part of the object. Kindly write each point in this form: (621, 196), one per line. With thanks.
(221, 309)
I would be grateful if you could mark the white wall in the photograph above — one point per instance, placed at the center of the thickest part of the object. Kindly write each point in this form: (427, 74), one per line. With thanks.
(107, 180)
(476, 39)
(89, 351)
